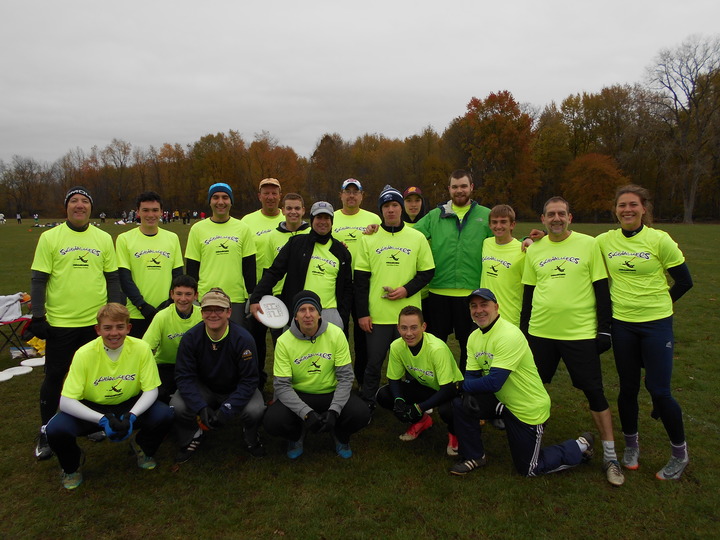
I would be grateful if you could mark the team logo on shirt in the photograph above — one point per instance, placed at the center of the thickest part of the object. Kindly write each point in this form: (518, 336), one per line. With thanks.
(630, 259)
(420, 373)
(318, 269)
(224, 244)
(260, 233)
(247, 355)
(484, 358)
(314, 367)
(82, 259)
(557, 265)
(394, 254)
(494, 265)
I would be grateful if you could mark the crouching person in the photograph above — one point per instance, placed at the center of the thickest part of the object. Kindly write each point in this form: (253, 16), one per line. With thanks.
(502, 381)
(217, 378)
(422, 374)
(313, 379)
(112, 383)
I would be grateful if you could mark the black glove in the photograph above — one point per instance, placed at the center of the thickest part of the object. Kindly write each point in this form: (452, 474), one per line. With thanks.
(603, 342)
(313, 422)
(39, 327)
(113, 427)
(415, 413)
(148, 312)
(329, 418)
(127, 421)
(401, 409)
(208, 417)
(471, 406)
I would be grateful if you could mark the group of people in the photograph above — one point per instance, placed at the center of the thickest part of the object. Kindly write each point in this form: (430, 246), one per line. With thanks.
(135, 352)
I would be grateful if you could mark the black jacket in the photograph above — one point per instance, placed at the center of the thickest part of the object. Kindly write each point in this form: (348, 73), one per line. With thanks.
(292, 262)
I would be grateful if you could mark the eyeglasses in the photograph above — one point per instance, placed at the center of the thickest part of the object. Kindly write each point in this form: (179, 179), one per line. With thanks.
(213, 309)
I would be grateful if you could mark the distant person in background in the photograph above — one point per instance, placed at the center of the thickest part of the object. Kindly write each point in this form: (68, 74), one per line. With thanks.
(220, 252)
(19, 218)
(414, 205)
(112, 385)
(103, 215)
(74, 274)
(637, 257)
(36, 218)
(148, 259)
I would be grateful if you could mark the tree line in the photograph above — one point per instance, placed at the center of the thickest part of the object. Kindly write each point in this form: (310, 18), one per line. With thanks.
(663, 134)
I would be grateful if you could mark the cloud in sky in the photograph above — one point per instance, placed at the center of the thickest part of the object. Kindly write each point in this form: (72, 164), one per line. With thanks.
(79, 73)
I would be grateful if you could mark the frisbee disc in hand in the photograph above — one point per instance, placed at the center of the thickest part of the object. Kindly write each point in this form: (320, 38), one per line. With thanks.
(275, 312)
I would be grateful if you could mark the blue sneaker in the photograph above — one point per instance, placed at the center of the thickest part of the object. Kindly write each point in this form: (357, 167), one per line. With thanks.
(343, 450)
(295, 449)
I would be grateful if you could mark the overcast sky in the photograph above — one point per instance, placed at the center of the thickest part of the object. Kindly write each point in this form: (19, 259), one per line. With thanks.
(76, 74)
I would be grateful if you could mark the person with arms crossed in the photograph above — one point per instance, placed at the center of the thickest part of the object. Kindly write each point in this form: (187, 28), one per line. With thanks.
(216, 376)
(112, 385)
(313, 382)
(167, 329)
(220, 252)
(566, 314)
(392, 267)
(637, 257)
(348, 227)
(502, 381)
(70, 258)
(422, 374)
(315, 261)
(148, 259)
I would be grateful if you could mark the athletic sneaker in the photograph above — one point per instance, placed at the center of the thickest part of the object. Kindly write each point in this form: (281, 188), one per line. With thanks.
(463, 467)
(630, 458)
(498, 423)
(452, 445)
(256, 449)
(417, 428)
(42, 448)
(343, 449)
(588, 439)
(143, 461)
(613, 472)
(187, 452)
(71, 480)
(295, 449)
(98, 436)
(674, 469)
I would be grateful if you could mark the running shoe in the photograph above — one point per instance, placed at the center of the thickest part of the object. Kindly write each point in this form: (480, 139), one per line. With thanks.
(463, 467)
(613, 472)
(452, 445)
(417, 428)
(674, 469)
(186, 452)
(71, 480)
(143, 461)
(42, 447)
(587, 439)
(343, 450)
(295, 449)
(630, 458)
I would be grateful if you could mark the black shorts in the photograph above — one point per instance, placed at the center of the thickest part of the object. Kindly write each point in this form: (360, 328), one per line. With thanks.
(580, 356)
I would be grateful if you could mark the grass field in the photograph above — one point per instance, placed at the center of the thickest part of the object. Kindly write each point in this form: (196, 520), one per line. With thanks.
(389, 489)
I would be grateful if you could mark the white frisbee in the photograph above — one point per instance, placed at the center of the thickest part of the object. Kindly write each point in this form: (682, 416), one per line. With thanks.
(275, 312)
(18, 370)
(33, 362)
(5, 376)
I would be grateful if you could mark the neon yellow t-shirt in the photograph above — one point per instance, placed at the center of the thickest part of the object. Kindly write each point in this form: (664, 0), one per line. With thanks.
(322, 274)
(166, 330)
(433, 366)
(563, 273)
(311, 366)
(261, 226)
(505, 346)
(220, 248)
(76, 263)
(502, 270)
(151, 260)
(638, 286)
(275, 242)
(94, 377)
(393, 260)
(349, 229)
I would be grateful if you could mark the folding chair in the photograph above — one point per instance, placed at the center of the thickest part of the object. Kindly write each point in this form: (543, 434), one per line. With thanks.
(11, 332)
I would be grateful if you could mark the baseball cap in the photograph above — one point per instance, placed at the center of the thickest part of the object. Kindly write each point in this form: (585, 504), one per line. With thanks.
(351, 181)
(412, 190)
(269, 182)
(215, 297)
(486, 294)
(322, 207)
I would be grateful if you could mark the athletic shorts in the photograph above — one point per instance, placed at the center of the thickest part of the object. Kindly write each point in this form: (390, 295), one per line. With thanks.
(580, 356)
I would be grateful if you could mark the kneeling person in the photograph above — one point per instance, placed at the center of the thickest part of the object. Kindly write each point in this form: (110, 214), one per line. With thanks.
(217, 377)
(502, 381)
(431, 378)
(112, 383)
(313, 379)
